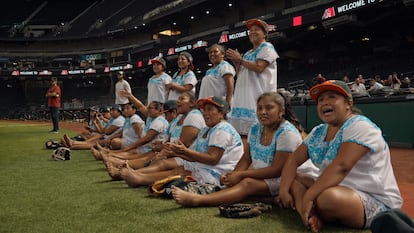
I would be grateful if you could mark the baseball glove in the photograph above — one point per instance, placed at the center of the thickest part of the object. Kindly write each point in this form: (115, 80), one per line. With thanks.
(61, 154)
(244, 210)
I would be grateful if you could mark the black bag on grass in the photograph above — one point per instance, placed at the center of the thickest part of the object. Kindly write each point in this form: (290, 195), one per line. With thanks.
(52, 145)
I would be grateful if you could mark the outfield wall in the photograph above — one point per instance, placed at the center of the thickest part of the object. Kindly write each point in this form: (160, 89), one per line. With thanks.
(393, 114)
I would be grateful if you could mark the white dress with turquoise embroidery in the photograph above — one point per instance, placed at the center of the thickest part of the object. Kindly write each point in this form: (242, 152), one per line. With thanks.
(213, 83)
(160, 125)
(194, 119)
(250, 85)
(187, 78)
(222, 136)
(174, 130)
(129, 135)
(373, 172)
(286, 139)
(118, 122)
(156, 88)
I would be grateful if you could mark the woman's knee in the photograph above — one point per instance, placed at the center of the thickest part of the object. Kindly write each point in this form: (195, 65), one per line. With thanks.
(341, 203)
(165, 164)
(251, 185)
(336, 198)
(116, 143)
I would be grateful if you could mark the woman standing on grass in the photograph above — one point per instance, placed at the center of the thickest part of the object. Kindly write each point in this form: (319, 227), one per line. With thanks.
(356, 180)
(271, 141)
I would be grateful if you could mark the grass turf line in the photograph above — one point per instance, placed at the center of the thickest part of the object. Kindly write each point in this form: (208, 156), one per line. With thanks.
(41, 195)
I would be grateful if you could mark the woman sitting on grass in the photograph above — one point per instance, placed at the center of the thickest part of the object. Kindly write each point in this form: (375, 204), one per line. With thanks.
(110, 131)
(131, 131)
(355, 181)
(184, 128)
(270, 142)
(216, 151)
(155, 130)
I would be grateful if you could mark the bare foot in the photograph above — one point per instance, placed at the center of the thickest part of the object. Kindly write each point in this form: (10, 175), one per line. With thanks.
(62, 141)
(96, 154)
(120, 163)
(131, 177)
(68, 141)
(184, 198)
(315, 223)
(113, 172)
(104, 155)
(100, 148)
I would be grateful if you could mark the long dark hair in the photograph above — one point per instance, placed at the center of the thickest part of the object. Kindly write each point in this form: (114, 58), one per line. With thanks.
(158, 105)
(284, 102)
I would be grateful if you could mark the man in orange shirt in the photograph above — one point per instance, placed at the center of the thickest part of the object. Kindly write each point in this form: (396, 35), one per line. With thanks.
(53, 102)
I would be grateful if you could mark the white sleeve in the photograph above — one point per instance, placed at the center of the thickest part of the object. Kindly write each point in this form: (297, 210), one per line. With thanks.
(119, 122)
(365, 134)
(267, 53)
(195, 120)
(167, 79)
(190, 79)
(227, 69)
(288, 141)
(158, 126)
(220, 138)
(136, 119)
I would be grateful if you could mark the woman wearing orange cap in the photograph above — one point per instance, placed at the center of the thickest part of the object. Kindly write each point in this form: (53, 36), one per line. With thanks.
(355, 181)
(256, 74)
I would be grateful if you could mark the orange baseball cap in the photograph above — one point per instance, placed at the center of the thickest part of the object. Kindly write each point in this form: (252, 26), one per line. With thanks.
(258, 22)
(160, 60)
(214, 100)
(330, 85)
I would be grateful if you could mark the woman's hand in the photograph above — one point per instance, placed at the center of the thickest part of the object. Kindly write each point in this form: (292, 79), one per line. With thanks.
(166, 151)
(231, 179)
(286, 200)
(307, 208)
(179, 147)
(234, 55)
(157, 145)
(170, 86)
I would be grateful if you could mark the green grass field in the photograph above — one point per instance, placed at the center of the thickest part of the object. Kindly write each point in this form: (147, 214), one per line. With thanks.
(41, 195)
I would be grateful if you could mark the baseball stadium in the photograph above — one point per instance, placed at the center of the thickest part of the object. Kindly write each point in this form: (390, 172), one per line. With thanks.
(207, 116)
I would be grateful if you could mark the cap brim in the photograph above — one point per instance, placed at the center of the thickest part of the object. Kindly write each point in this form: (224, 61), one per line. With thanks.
(251, 22)
(201, 103)
(315, 91)
(156, 61)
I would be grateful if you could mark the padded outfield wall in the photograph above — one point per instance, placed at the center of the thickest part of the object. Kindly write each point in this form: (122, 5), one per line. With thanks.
(394, 115)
